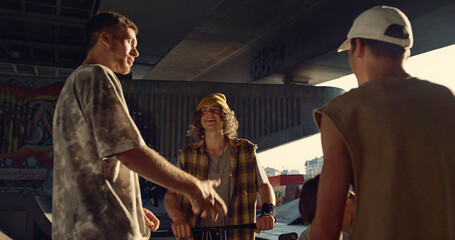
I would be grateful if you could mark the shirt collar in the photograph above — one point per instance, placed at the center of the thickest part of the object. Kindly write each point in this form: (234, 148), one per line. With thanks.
(234, 143)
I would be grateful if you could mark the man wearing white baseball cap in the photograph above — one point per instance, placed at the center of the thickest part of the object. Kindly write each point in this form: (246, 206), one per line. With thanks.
(392, 138)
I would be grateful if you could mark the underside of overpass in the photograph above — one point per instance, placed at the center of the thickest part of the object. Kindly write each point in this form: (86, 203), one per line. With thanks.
(254, 41)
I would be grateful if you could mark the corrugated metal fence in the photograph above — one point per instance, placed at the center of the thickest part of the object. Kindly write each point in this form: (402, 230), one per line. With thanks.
(268, 115)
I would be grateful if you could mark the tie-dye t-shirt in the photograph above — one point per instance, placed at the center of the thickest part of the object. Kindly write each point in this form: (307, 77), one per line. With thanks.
(94, 195)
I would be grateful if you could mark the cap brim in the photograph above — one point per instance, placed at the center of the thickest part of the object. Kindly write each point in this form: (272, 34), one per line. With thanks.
(346, 45)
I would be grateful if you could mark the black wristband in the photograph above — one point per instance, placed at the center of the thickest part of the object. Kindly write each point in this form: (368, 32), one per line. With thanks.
(268, 209)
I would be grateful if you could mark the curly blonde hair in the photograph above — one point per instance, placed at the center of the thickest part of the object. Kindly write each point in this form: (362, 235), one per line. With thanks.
(230, 126)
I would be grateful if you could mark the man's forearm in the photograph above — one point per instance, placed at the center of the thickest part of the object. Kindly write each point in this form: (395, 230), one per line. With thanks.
(172, 206)
(266, 193)
(152, 166)
(266, 221)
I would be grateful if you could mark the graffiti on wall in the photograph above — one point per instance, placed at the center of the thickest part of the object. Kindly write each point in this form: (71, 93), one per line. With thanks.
(26, 155)
(267, 61)
(283, 194)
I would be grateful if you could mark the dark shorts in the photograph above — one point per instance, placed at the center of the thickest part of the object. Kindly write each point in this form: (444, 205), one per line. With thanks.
(210, 235)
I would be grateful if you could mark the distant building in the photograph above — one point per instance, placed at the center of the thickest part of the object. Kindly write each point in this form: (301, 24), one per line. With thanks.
(294, 172)
(313, 166)
(271, 172)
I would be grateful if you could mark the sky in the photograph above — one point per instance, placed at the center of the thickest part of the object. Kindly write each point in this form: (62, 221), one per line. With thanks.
(436, 66)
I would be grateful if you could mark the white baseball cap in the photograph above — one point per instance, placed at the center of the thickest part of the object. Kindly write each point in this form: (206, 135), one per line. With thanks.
(373, 24)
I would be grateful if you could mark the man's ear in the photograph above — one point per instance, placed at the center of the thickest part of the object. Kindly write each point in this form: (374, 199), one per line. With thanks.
(407, 54)
(105, 38)
(360, 47)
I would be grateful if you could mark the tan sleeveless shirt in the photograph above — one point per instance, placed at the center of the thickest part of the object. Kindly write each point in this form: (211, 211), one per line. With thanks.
(401, 137)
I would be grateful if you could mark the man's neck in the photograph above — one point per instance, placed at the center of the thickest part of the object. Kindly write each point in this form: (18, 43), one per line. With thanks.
(93, 57)
(215, 143)
(383, 68)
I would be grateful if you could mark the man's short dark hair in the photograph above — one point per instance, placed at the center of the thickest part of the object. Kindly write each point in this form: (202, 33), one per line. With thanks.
(308, 199)
(381, 49)
(105, 22)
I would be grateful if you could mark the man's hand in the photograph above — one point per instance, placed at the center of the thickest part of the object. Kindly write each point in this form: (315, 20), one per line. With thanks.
(267, 197)
(151, 220)
(208, 200)
(264, 223)
(182, 229)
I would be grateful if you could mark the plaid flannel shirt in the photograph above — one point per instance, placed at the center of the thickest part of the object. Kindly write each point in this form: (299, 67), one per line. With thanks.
(242, 207)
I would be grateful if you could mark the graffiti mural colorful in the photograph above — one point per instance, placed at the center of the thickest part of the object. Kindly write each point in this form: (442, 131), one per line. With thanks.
(26, 155)
(286, 188)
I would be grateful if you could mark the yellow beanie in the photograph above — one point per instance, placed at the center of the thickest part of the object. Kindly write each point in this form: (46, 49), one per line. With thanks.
(217, 98)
